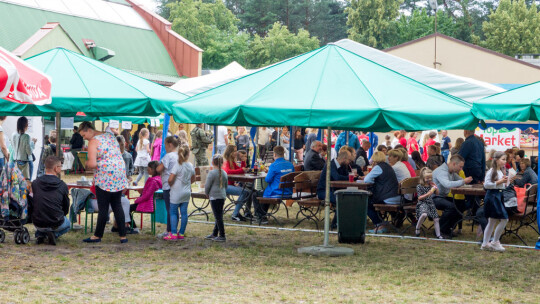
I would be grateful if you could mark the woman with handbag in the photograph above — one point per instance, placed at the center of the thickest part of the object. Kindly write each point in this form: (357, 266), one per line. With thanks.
(22, 148)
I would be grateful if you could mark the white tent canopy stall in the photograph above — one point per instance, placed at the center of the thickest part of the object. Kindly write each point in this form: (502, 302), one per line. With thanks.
(196, 85)
(465, 88)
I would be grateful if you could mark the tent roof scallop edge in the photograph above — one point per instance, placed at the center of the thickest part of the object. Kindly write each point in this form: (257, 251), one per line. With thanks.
(519, 104)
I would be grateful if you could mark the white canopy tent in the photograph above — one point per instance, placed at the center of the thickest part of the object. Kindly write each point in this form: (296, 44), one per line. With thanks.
(196, 85)
(465, 88)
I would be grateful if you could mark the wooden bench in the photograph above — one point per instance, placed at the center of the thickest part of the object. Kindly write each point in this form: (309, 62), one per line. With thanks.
(306, 197)
(285, 182)
(395, 214)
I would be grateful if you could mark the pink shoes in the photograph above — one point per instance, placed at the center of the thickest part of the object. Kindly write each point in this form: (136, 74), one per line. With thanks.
(173, 237)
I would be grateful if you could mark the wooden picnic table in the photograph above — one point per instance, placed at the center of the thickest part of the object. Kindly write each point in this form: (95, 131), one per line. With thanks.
(473, 190)
(347, 184)
(138, 189)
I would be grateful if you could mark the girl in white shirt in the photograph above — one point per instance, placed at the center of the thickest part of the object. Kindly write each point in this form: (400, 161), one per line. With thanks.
(143, 155)
(495, 182)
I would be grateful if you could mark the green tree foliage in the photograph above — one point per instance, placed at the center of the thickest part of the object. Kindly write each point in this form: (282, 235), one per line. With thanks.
(468, 16)
(279, 44)
(370, 21)
(420, 24)
(325, 19)
(513, 28)
(212, 27)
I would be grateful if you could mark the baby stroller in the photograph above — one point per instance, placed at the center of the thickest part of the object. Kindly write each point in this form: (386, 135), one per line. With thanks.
(13, 204)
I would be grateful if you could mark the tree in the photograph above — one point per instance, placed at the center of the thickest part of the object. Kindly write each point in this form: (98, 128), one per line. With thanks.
(279, 44)
(513, 28)
(212, 27)
(370, 21)
(325, 19)
(420, 24)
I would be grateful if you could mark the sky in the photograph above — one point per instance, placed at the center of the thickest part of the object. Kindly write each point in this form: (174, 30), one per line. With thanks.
(151, 4)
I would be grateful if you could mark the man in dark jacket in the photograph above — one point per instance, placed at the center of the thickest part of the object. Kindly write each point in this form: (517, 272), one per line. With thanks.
(472, 150)
(361, 155)
(76, 141)
(50, 202)
(313, 160)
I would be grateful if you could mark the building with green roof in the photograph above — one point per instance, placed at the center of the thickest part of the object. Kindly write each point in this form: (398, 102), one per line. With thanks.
(121, 33)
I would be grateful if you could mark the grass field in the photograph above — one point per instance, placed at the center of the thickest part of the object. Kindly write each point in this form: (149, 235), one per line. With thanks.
(261, 265)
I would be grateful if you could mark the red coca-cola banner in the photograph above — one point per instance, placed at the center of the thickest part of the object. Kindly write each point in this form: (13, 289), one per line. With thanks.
(20, 82)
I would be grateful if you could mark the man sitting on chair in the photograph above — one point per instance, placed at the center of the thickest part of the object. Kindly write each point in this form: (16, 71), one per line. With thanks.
(276, 170)
(313, 160)
(50, 203)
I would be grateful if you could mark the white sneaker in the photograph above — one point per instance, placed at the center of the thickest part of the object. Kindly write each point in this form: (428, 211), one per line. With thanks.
(497, 246)
(487, 247)
(162, 235)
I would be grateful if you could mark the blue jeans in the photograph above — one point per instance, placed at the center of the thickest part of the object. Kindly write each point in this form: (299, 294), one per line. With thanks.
(58, 231)
(174, 217)
(221, 149)
(445, 154)
(243, 196)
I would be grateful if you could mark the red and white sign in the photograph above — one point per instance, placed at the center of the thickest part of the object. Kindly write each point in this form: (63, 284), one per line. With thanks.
(500, 140)
(20, 82)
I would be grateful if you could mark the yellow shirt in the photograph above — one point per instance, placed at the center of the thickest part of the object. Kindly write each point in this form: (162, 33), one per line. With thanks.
(459, 196)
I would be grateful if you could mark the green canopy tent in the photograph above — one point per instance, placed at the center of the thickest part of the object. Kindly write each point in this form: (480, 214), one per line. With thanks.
(328, 87)
(520, 104)
(81, 84)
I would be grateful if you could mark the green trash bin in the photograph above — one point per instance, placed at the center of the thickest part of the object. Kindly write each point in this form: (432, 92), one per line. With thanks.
(351, 215)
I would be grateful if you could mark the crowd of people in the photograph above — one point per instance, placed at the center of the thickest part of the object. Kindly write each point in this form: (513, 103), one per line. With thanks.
(440, 165)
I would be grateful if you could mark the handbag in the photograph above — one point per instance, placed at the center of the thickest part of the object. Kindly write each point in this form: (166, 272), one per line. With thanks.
(521, 194)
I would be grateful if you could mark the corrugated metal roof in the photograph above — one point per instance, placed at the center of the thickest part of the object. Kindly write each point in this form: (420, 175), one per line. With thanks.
(159, 78)
(136, 49)
(118, 11)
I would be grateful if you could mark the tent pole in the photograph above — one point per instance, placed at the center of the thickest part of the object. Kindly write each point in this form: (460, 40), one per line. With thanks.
(346, 138)
(278, 141)
(326, 249)
(256, 146)
(327, 196)
(371, 144)
(538, 203)
(291, 155)
(214, 150)
(166, 122)
(58, 143)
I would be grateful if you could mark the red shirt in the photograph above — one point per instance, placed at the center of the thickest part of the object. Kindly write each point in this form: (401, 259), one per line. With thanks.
(403, 142)
(425, 155)
(412, 145)
(234, 170)
(362, 137)
(411, 170)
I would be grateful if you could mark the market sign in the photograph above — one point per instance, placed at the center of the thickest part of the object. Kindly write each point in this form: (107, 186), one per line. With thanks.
(500, 140)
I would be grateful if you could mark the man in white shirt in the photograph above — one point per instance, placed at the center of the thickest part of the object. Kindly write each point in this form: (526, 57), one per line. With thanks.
(263, 140)
(222, 139)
